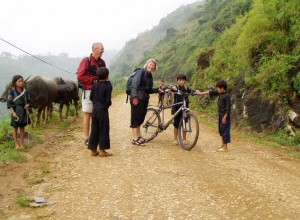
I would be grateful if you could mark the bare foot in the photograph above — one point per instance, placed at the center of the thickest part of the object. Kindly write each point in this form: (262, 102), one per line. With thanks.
(18, 146)
(223, 149)
(104, 153)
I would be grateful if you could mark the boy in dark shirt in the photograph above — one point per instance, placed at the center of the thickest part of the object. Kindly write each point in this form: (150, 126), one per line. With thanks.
(181, 80)
(101, 98)
(224, 106)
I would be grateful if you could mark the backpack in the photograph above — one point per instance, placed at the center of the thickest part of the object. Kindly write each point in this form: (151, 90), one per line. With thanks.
(129, 82)
(80, 84)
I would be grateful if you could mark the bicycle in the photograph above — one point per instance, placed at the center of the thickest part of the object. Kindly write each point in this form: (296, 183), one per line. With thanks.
(188, 130)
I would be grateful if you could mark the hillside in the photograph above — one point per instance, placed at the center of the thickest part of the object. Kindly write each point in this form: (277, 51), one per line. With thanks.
(135, 51)
(253, 44)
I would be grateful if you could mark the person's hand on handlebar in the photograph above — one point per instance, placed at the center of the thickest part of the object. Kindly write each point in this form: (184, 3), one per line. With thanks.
(160, 90)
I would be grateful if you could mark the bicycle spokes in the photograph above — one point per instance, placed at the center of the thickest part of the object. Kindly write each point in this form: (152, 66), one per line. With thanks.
(188, 131)
(151, 124)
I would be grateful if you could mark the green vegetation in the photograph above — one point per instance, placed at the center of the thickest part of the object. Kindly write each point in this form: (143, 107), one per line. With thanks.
(9, 153)
(44, 169)
(7, 148)
(223, 39)
(137, 51)
(279, 140)
(64, 125)
(119, 84)
(23, 200)
(255, 40)
(265, 43)
(5, 127)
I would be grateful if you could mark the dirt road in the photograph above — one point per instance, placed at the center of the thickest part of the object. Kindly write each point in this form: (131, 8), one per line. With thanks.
(158, 181)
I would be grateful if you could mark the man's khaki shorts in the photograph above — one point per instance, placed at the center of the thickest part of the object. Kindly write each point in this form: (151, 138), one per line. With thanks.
(87, 104)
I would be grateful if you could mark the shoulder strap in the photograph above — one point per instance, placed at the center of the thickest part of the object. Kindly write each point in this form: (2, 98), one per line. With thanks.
(15, 93)
(89, 61)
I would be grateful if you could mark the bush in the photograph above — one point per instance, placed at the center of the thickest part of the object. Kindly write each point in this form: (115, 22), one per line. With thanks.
(5, 127)
(297, 83)
(272, 77)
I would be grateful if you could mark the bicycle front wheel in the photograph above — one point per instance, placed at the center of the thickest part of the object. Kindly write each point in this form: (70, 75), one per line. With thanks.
(188, 131)
(150, 127)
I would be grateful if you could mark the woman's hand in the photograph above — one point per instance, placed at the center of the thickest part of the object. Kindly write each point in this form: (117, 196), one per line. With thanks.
(135, 101)
(26, 106)
(160, 90)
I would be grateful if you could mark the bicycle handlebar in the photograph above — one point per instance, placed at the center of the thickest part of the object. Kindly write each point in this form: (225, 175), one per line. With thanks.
(186, 93)
(180, 93)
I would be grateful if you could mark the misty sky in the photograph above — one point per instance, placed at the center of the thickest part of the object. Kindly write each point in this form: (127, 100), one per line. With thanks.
(56, 26)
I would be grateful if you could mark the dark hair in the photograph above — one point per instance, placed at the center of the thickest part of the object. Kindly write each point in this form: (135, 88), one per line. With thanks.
(222, 84)
(15, 79)
(181, 76)
(102, 73)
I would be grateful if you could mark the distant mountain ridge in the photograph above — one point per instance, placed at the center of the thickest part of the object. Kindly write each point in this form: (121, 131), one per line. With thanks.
(26, 65)
(136, 50)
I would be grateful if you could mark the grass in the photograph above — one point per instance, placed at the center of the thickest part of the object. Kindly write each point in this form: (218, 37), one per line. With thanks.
(36, 179)
(65, 125)
(5, 128)
(44, 169)
(23, 200)
(7, 147)
(9, 153)
(279, 140)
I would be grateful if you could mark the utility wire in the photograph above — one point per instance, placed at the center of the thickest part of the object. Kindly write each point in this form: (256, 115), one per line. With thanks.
(35, 56)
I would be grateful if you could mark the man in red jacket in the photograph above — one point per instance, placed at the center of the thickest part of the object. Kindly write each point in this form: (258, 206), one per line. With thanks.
(87, 75)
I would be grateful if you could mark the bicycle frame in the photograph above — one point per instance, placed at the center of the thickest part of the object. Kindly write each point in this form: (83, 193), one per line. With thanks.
(162, 108)
(188, 129)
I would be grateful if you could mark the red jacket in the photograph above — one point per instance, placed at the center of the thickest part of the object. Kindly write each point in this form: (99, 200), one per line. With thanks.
(87, 73)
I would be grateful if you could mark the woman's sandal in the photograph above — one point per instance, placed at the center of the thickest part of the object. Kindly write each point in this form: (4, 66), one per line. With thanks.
(138, 142)
(142, 140)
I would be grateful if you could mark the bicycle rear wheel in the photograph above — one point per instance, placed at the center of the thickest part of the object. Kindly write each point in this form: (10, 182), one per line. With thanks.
(188, 131)
(150, 127)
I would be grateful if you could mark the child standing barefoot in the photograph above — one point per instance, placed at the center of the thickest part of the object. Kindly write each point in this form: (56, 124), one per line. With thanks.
(18, 103)
(224, 107)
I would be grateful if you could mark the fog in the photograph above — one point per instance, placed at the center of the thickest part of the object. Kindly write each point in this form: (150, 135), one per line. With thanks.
(43, 27)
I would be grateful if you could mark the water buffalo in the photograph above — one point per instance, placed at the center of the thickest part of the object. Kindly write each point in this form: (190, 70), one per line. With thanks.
(42, 92)
(67, 92)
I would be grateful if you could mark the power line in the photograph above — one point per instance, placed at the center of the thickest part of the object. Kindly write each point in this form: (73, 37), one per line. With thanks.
(35, 56)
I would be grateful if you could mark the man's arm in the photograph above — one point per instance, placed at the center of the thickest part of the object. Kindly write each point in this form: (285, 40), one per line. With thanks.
(83, 72)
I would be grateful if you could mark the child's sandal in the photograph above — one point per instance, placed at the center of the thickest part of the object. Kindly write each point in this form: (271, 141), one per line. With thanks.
(138, 142)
